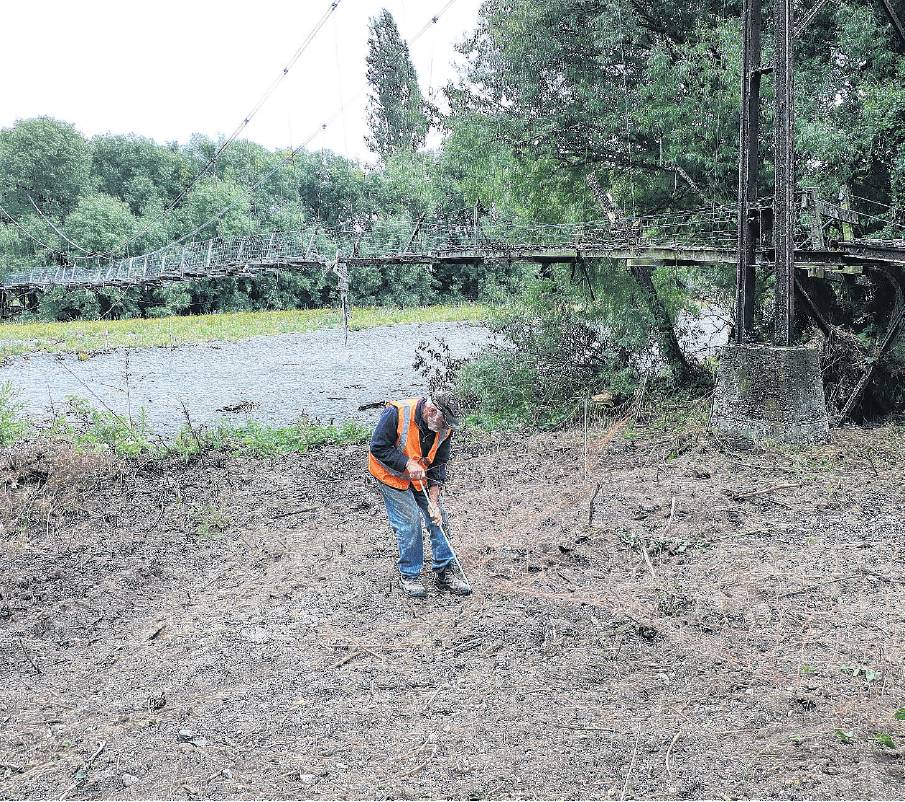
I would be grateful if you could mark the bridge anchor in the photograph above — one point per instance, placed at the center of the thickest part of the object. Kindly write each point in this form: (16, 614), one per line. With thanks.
(769, 393)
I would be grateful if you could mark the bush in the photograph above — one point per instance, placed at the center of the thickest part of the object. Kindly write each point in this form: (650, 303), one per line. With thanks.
(91, 429)
(550, 356)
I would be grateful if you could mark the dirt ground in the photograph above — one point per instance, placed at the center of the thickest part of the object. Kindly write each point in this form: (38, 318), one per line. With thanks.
(721, 624)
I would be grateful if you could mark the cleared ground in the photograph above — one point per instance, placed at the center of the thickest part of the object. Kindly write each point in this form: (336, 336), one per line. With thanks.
(724, 625)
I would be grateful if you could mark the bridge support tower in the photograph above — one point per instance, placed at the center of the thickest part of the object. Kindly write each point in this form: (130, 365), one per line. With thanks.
(768, 392)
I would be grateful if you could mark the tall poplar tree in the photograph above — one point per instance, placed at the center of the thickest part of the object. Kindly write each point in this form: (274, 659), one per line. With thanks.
(398, 115)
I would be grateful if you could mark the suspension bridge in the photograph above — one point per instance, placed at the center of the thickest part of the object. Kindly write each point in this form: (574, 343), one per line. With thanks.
(826, 242)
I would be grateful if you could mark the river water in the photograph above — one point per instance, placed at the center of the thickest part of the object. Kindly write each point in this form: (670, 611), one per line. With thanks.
(273, 380)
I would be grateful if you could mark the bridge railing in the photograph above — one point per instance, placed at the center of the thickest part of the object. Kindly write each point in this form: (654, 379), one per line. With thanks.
(314, 245)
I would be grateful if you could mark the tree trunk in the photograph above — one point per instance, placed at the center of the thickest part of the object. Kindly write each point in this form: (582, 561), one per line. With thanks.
(681, 369)
(664, 329)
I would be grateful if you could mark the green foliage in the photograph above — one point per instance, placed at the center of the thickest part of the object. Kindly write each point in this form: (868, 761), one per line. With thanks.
(92, 429)
(12, 426)
(223, 208)
(137, 171)
(552, 355)
(47, 160)
(398, 116)
(885, 740)
(845, 736)
(59, 303)
(256, 439)
(869, 674)
(212, 522)
(99, 223)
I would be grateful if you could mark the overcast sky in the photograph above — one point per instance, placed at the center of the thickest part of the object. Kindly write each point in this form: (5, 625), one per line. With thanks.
(170, 68)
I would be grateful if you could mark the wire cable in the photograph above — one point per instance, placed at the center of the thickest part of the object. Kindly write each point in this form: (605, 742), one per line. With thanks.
(238, 130)
(295, 151)
(31, 236)
(47, 220)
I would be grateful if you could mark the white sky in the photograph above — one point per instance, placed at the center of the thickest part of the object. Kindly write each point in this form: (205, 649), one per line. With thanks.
(170, 68)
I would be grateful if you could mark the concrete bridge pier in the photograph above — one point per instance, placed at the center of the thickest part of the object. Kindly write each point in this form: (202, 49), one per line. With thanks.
(770, 393)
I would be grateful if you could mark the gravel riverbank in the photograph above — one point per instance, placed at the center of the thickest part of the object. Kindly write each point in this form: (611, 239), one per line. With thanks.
(271, 379)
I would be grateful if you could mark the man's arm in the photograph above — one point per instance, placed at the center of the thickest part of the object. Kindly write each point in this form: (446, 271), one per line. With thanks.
(383, 441)
(436, 475)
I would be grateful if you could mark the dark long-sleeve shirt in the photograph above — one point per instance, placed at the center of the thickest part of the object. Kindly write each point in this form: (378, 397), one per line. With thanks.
(383, 444)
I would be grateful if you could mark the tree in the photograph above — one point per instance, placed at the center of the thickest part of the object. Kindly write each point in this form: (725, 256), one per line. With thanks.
(138, 170)
(46, 160)
(218, 208)
(398, 116)
(99, 223)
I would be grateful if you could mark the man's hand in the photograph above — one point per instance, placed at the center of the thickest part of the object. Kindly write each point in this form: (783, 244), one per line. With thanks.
(433, 509)
(433, 505)
(415, 470)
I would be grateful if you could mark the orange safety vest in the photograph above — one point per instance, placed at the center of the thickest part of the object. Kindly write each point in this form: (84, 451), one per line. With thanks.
(408, 440)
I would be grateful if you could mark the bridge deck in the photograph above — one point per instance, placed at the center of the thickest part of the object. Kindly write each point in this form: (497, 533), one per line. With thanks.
(248, 258)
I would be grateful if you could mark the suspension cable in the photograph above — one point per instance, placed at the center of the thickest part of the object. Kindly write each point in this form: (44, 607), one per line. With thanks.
(295, 151)
(238, 130)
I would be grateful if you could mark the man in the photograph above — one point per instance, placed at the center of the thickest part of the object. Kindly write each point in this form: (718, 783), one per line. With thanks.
(409, 449)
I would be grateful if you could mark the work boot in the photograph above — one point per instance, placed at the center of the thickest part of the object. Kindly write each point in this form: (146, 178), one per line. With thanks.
(412, 586)
(450, 579)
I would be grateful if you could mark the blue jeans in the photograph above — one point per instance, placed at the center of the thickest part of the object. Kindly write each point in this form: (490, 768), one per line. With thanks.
(405, 509)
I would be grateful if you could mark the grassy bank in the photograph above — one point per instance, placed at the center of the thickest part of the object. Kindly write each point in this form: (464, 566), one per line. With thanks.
(90, 336)
(92, 430)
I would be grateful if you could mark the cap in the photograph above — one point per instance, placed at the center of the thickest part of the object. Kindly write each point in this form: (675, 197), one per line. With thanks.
(450, 406)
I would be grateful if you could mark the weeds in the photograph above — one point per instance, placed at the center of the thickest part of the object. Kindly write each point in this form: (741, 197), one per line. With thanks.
(89, 428)
(98, 430)
(12, 426)
(258, 440)
(212, 522)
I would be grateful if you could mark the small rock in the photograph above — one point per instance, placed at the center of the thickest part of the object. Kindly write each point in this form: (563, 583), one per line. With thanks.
(186, 736)
(227, 773)
(129, 780)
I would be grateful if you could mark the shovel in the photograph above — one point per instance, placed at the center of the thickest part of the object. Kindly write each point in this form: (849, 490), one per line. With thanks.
(443, 531)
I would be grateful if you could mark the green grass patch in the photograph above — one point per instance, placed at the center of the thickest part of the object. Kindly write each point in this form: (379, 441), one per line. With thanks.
(91, 336)
(12, 426)
(256, 439)
(91, 430)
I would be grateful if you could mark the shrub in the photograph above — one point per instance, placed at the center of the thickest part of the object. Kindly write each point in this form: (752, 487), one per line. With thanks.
(12, 427)
(549, 357)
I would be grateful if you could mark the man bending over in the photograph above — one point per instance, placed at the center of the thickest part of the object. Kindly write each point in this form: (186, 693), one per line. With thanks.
(409, 449)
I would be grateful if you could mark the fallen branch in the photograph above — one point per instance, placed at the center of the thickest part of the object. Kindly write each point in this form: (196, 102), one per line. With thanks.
(843, 578)
(292, 512)
(28, 657)
(81, 773)
(591, 505)
(348, 658)
(631, 765)
(739, 496)
(669, 752)
(420, 766)
(644, 552)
